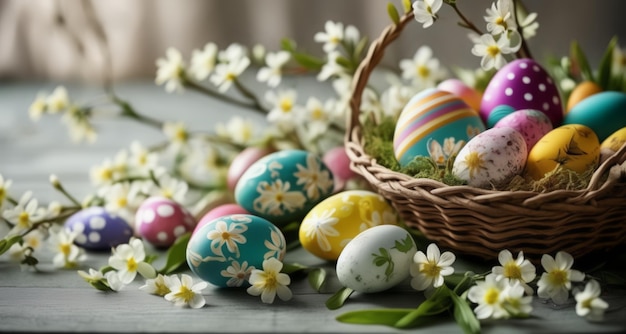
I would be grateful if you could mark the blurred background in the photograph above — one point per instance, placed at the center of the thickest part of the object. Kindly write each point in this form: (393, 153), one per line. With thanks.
(69, 40)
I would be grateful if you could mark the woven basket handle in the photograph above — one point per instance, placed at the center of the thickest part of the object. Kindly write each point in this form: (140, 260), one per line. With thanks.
(367, 65)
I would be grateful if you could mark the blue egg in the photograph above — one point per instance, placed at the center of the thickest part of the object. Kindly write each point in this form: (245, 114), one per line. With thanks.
(283, 186)
(603, 112)
(498, 113)
(224, 251)
(98, 229)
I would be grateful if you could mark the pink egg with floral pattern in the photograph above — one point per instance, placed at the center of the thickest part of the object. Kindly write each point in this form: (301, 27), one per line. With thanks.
(160, 221)
(523, 84)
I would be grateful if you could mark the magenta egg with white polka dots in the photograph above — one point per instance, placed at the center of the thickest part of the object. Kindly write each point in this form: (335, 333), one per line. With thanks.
(160, 221)
(523, 84)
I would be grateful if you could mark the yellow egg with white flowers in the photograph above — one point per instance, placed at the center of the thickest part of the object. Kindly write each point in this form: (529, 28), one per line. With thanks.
(573, 146)
(331, 224)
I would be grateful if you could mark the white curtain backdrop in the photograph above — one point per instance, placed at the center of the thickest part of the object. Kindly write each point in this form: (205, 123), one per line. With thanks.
(57, 39)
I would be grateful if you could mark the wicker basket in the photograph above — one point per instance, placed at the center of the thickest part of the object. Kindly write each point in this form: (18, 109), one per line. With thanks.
(479, 222)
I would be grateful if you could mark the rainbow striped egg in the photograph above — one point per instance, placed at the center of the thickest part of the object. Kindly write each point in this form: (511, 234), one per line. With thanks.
(431, 123)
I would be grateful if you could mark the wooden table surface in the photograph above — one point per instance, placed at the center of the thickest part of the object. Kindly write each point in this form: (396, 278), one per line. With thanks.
(60, 301)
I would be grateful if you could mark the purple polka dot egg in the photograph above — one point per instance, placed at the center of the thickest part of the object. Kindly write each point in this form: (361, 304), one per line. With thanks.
(97, 229)
(160, 221)
(523, 84)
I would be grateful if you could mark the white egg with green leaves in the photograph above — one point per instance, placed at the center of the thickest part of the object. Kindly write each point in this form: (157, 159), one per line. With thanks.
(377, 259)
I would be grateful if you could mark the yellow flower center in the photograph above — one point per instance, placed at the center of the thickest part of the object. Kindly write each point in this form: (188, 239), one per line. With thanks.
(431, 269)
(512, 270)
(167, 193)
(317, 114)
(225, 236)
(23, 219)
(491, 296)
(558, 277)
(270, 280)
(493, 51)
(500, 21)
(286, 105)
(122, 202)
(279, 197)
(423, 71)
(474, 162)
(3, 194)
(65, 249)
(131, 265)
(106, 174)
(162, 289)
(230, 76)
(185, 294)
(181, 135)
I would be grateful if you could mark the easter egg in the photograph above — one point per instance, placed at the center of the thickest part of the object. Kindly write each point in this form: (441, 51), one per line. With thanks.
(498, 113)
(224, 251)
(242, 161)
(603, 112)
(432, 115)
(492, 158)
(283, 186)
(332, 223)
(582, 91)
(98, 229)
(572, 146)
(377, 259)
(531, 124)
(523, 84)
(612, 143)
(339, 164)
(219, 211)
(160, 221)
(468, 94)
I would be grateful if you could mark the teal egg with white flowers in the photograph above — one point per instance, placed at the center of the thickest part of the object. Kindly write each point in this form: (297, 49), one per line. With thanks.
(284, 186)
(226, 250)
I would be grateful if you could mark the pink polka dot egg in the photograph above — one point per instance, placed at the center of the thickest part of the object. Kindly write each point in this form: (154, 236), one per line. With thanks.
(523, 84)
(160, 221)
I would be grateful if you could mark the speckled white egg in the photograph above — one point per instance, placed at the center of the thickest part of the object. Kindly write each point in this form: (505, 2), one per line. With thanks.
(492, 158)
(377, 259)
(160, 221)
(97, 229)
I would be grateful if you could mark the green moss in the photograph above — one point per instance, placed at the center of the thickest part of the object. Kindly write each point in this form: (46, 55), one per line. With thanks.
(378, 143)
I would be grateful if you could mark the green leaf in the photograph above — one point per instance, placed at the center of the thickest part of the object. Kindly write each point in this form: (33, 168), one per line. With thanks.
(464, 315)
(176, 254)
(339, 298)
(317, 278)
(405, 245)
(437, 303)
(308, 61)
(393, 13)
(288, 44)
(290, 268)
(360, 47)
(407, 5)
(344, 62)
(578, 56)
(5, 244)
(387, 317)
(604, 69)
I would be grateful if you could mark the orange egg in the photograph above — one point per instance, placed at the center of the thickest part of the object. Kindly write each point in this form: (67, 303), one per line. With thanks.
(583, 90)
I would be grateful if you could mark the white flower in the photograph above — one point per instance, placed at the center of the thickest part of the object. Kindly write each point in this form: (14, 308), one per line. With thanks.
(272, 73)
(113, 281)
(270, 282)
(423, 70)
(429, 269)
(58, 100)
(128, 260)
(238, 129)
(500, 18)
(169, 187)
(77, 120)
(275, 198)
(489, 295)
(529, 24)
(426, 11)
(588, 302)
(315, 180)
(24, 214)
(171, 71)
(177, 133)
(203, 61)
(515, 270)
(4, 189)
(514, 301)
(123, 199)
(231, 236)
(556, 282)
(183, 291)
(331, 37)
(331, 67)
(491, 51)
(141, 158)
(318, 116)
(226, 73)
(159, 285)
(102, 174)
(68, 254)
(38, 107)
(284, 110)
(237, 273)
(233, 53)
